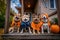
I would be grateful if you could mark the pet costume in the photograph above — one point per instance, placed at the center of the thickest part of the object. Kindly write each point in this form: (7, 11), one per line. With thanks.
(25, 24)
(36, 26)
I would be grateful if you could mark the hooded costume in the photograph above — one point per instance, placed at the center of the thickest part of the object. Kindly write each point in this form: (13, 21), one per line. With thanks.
(25, 24)
(36, 26)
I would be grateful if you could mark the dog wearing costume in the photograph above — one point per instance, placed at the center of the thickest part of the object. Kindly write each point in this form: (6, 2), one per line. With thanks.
(46, 24)
(25, 24)
(35, 24)
(15, 24)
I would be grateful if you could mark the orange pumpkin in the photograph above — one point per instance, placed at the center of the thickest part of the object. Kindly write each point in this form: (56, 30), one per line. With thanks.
(59, 29)
(55, 28)
(36, 26)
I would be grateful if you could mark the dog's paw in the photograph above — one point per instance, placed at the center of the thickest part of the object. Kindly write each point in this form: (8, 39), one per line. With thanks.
(42, 32)
(34, 33)
(10, 30)
(30, 32)
(17, 31)
(38, 32)
(21, 32)
(48, 32)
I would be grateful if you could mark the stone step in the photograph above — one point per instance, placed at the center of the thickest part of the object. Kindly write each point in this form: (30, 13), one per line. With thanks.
(30, 36)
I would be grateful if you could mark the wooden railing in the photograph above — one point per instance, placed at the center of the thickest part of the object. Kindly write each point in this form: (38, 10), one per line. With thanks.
(55, 12)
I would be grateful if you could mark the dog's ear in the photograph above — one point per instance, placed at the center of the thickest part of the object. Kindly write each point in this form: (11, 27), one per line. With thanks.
(14, 14)
(27, 14)
(19, 14)
(38, 15)
(22, 15)
(33, 15)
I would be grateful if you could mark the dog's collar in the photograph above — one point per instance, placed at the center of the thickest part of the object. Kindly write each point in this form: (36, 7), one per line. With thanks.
(25, 22)
(16, 21)
(36, 23)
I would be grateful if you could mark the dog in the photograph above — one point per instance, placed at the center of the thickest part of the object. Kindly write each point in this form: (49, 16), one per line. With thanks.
(46, 24)
(15, 24)
(25, 24)
(35, 24)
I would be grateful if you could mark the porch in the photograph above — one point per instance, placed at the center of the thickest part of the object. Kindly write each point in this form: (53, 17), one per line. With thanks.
(17, 36)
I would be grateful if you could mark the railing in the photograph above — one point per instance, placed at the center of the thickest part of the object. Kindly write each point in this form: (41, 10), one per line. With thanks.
(53, 13)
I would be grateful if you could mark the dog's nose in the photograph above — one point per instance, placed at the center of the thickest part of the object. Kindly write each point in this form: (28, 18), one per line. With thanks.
(44, 17)
(25, 20)
(17, 18)
(36, 19)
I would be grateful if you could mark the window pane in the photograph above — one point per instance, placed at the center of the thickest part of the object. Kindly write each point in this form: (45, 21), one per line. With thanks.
(52, 3)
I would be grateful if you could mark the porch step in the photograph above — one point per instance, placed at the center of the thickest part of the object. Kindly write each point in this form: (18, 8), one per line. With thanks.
(30, 36)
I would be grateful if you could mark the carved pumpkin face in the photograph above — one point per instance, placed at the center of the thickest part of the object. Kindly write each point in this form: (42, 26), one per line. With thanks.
(55, 28)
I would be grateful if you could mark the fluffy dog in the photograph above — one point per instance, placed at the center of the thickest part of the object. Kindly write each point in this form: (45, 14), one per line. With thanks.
(35, 24)
(25, 23)
(15, 24)
(46, 24)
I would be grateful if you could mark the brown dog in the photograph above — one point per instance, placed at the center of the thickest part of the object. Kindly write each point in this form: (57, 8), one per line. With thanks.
(36, 24)
(15, 24)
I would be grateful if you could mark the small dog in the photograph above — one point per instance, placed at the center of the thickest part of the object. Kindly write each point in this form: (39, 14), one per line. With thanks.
(35, 24)
(25, 23)
(46, 23)
(15, 24)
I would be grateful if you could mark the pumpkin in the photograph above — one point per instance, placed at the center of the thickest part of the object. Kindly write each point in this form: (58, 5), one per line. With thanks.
(36, 26)
(55, 28)
(59, 29)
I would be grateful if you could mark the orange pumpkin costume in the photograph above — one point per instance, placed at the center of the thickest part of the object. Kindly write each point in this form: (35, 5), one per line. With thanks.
(36, 26)
(17, 23)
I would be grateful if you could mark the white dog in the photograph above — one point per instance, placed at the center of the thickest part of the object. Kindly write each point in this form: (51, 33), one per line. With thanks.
(46, 24)
(25, 22)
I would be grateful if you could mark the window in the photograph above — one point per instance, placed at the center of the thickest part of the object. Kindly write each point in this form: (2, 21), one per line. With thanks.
(52, 4)
(45, 3)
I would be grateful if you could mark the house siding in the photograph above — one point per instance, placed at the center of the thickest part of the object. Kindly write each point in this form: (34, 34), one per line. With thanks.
(54, 16)
(40, 8)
